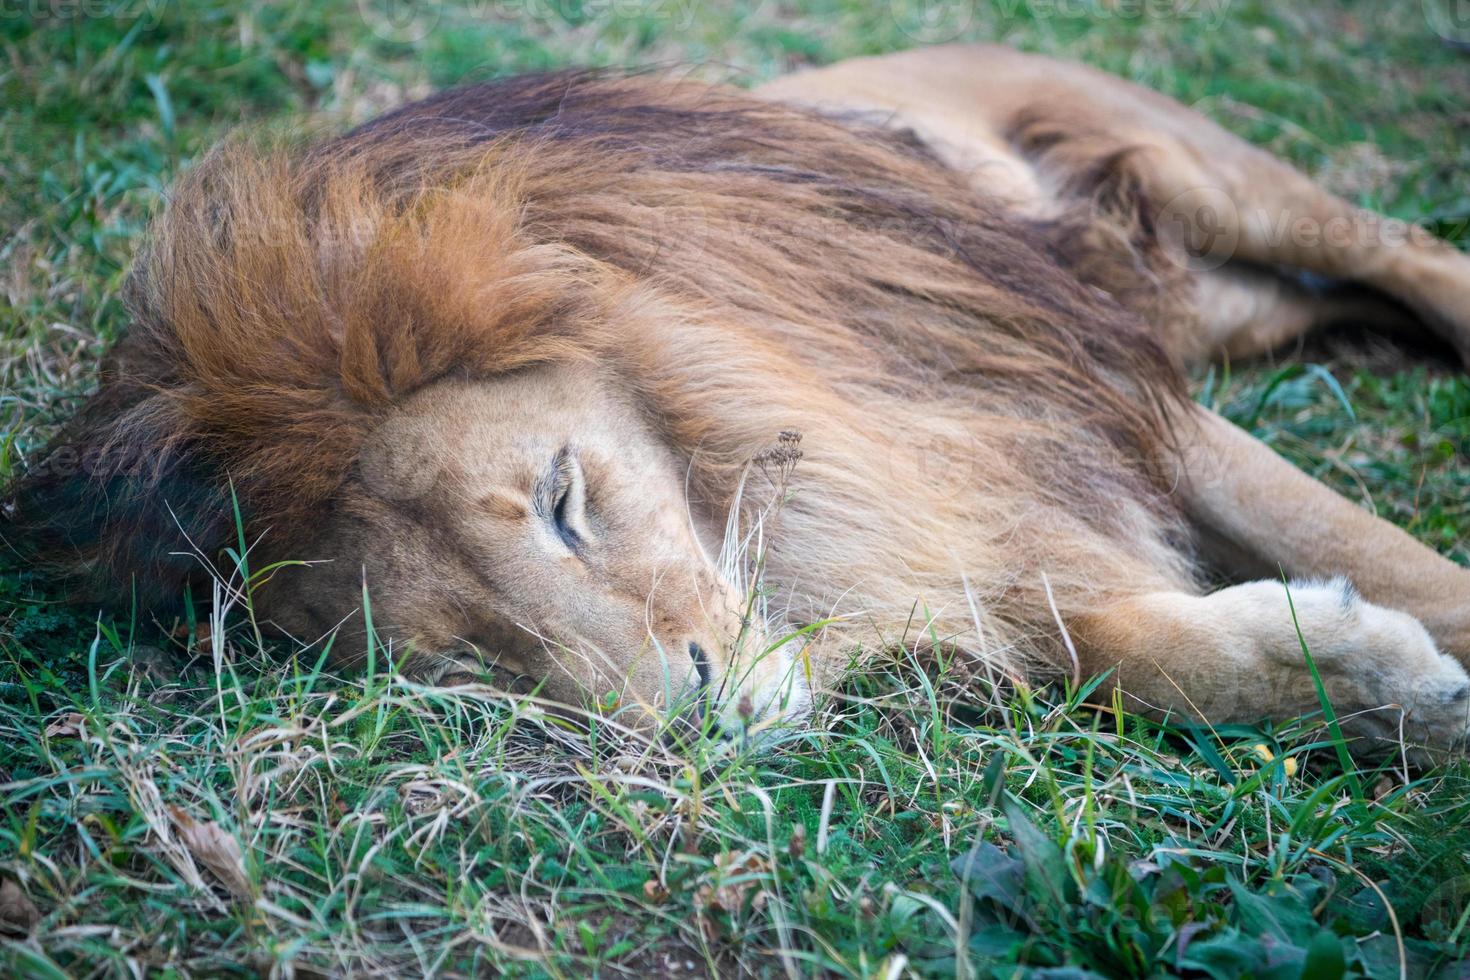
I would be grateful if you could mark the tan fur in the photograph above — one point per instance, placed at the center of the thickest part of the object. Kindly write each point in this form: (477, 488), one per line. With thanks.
(388, 346)
(1043, 132)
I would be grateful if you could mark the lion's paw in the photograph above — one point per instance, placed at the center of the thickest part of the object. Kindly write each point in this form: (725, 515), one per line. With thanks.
(1385, 676)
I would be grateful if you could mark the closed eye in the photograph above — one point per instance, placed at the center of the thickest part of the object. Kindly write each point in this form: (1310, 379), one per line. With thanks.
(565, 500)
(559, 520)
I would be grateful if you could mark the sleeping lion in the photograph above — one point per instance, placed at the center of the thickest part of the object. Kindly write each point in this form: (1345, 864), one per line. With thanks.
(665, 391)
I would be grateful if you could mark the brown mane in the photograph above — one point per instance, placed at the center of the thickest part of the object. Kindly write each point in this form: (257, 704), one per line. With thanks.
(743, 265)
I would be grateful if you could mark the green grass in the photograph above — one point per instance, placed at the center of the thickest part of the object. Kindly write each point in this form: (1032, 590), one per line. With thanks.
(202, 809)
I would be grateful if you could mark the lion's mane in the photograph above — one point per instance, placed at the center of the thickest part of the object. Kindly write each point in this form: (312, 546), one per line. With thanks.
(973, 410)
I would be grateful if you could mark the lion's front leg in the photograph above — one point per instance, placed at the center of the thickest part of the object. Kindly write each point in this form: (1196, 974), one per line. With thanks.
(1263, 516)
(1235, 656)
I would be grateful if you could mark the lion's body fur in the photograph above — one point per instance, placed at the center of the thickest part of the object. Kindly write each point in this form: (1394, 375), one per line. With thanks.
(975, 416)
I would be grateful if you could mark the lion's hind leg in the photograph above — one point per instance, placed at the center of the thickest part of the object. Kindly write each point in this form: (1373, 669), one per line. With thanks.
(1221, 205)
(1235, 656)
(1035, 132)
(1244, 311)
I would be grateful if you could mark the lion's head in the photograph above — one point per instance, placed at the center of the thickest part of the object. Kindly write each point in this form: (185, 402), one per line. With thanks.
(538, 521)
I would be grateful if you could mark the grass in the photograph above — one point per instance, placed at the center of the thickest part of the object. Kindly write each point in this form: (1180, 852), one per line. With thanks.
(178, 806)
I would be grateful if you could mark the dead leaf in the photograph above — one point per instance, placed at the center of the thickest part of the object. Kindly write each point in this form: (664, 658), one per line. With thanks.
(728, 895)
(155, 665)
(17, 912)
(797, 847)
(68, 725)
(215, 849)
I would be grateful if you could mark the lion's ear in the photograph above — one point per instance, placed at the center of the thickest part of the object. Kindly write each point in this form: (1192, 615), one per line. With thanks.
(117, 507)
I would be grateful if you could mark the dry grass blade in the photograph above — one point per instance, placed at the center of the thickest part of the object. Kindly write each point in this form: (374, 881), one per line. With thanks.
(217, 850)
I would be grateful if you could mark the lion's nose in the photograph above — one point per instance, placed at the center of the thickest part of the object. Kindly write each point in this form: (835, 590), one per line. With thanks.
(701, 664)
